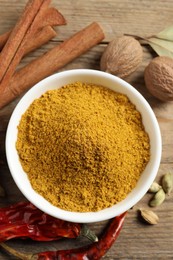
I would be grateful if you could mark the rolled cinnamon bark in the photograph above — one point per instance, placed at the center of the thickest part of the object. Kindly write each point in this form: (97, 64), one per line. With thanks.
(24, 31)
(49, 17)
(41, 37)
(3, 39)
(51, 62)
(17, 35)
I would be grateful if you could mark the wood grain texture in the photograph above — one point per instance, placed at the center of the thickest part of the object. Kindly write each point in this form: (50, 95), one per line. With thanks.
(142, 17)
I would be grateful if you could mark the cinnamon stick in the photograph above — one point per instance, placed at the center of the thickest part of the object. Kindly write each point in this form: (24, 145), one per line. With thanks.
(29, 21)
(32, 29)
(3, 39)
(50, 17)
(51, 62)
(47, 16)
(41, 37)
(17, 35)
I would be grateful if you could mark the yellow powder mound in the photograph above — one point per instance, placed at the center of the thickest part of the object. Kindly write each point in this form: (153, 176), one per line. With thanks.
(83, 146)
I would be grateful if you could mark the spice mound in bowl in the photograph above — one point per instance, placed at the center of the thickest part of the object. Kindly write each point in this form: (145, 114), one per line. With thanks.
(83, 147)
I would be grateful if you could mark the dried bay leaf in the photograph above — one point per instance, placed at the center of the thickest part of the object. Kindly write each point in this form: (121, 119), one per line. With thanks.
(161, 47)
(166, 34)
(161, 43)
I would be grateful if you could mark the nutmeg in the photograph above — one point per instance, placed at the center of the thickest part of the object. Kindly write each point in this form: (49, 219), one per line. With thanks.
(122, 56)
(158, 77)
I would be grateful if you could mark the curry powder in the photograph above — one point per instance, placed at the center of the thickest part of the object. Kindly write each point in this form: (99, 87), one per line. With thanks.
(83, 146)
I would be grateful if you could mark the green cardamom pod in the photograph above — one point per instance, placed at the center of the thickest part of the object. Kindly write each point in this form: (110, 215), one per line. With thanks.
(158, 198)
(149, 216)
(155, 187)
(167, 182)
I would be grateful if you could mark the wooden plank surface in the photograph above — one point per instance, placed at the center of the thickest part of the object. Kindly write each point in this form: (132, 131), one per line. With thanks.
(137, 240)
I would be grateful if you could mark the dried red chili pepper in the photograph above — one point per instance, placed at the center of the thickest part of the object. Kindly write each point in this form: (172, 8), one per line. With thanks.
(92, 252)
(24, 220)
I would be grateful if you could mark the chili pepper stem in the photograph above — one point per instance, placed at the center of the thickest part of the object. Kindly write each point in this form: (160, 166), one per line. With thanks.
(15, 252)
(86, 232)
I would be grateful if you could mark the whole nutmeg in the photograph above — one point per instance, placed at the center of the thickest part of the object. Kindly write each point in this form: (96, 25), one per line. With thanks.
(158, 77)
(122, 56)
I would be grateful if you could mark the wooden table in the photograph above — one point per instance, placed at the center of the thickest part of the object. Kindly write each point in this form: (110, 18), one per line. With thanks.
(137, 240)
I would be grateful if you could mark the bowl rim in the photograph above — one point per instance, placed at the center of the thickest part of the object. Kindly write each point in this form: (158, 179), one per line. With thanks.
(82, 217)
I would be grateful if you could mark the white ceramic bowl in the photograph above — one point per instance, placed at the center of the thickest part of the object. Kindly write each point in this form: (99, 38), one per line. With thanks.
(114, 83)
